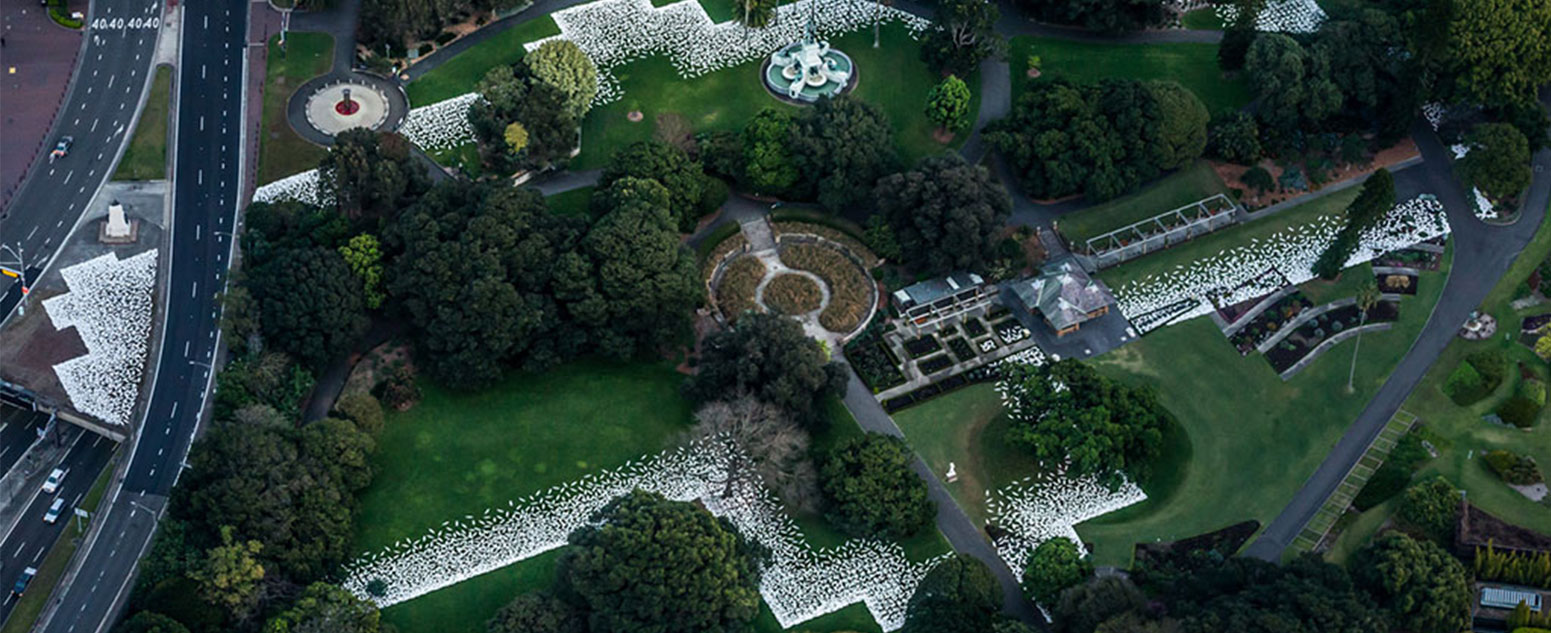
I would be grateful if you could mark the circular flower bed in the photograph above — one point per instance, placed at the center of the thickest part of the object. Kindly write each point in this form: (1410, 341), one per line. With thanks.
(850, 289)
(347, 108)
(792, 295)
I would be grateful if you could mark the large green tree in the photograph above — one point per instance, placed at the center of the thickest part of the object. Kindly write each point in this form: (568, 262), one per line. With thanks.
(563, 65)
(370, 175)
(1501, 48)
(1094, 425)
(514, 94)
(1372, 203)
(962, 35)
(1498, 161)
(767, 163)
(841, 148)
(1180, 134)
(770, 358)
(1083, 608)
(691, 193)
(326, 608)
(872, 491)
(538, 613)
(310, 303)
(1424, 587)
(959, 595)
(150, 622)
(947, 104)
(1106, 16)
(946, 214)
(1053, 567)
(1431, 507)
(230, 574)
(1291, 85)
(1306, 595)
(650, 564)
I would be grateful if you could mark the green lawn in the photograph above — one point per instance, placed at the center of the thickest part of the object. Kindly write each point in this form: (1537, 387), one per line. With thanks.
(1178, 189)
(1468, 435)
(1203, 20)
(1192, 65)
(281, 151)
(457, 453)
(459, 74)
(146, 158)
(891, 76)
(1249, 439)
(573, 203)
(721, 10)
(1209, 245)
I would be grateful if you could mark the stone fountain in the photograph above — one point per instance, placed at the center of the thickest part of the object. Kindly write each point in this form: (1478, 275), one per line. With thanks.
(808, 69)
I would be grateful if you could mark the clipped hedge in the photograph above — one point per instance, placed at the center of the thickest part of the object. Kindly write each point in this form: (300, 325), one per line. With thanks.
(1465, 386)
(1394, 474)
(1519, 411)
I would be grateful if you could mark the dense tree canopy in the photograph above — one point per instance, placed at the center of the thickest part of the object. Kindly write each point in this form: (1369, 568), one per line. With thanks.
(399, 21)
(649, 564)
(1109, 16)
(474, 271)
(946, 214)
(769, 357)
(691, 193)
(370, 175)
(1102, 140)
(150, 622)
(947, 104)
(1055, 566)
(963, 34)
(1498, 161)
(767, 162)
(841, 147)
(1291, 84)
(1235, 137)
(563, 65)
(516, 94)
(872, 491)
(959, 595)
(326, 608)
(538, 613)
(1095, 425)
(1083, 608)
(1431, 507)
(311, 304)
(1502, 48)
(1247, 594)
(1425, 589)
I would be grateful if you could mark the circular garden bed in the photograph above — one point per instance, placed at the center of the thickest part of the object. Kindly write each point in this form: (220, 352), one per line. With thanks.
(850, 289)
(739, 281)
(792, 295)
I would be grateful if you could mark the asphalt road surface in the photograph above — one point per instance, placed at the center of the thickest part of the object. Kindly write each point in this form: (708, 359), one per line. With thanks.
(29, 540)
(109, 83)
(205, 193)
(18, 429)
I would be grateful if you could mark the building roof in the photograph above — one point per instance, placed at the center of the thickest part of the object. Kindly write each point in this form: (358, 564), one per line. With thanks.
(1509, 598)
(1063, 293)
(925, 292)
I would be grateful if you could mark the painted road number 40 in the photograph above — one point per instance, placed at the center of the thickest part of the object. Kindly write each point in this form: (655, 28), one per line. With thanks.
(120, 24)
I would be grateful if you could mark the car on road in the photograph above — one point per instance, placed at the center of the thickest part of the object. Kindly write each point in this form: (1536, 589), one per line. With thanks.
(62, 148)
(21, 583)
(51, 485)
(53, 511)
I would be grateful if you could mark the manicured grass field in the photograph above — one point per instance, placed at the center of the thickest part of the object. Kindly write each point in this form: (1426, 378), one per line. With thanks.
(459, 74)
(1209, 245)
(1192, 65)
(1470, 436)
(457, 453)
(721, 10)
(146, 158)
(891, 77)
(573, 203)
(281, 151)
(1178, 189)
(1203, 20)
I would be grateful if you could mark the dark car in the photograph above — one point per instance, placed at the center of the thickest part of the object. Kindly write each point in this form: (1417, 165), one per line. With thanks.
(22, 582)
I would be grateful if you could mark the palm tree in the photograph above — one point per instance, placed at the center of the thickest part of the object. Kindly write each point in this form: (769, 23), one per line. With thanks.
(757, 14)
(1367, 297)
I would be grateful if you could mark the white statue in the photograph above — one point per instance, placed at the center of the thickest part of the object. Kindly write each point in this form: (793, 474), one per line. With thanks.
(118, 226)
(953, 473)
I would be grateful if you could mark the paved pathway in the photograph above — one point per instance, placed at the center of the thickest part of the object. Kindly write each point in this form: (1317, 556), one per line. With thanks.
(1482, 254)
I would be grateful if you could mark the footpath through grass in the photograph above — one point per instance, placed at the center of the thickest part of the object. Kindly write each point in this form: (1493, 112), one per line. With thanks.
(30, 606)
(1195, 182)
(892, 76)
(146, 158)
(1192, 65)
(458, 75)
(281, 151)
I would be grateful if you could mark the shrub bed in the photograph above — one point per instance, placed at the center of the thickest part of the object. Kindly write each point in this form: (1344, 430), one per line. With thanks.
(792, 295)
(1396, 283)
(1316, 330)
(962, 351)
(1514, 468)
(832, 233)
(850, 289)
(1476, 377)
(974, 328)
(873, 361)
(935, 364)
(922, 346)
(976, 375)
(735, 292)
(1269, 322)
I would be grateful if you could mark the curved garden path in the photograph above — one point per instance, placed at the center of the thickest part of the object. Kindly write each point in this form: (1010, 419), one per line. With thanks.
(774, 267)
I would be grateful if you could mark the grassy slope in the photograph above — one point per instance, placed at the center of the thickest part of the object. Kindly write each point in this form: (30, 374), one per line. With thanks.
(1230, 237)
(891, 76)
(456, 453)
(460, 73)
(146, 158)
(1192, 65)
(1175, 190)
(281, 151)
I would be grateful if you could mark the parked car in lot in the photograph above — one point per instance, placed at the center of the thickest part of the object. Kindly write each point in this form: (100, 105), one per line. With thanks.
(21, 583)
(53, 511)
(55, 478)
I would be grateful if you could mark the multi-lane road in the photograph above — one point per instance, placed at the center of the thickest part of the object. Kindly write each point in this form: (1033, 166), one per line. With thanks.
(206, 188)
(98, 112)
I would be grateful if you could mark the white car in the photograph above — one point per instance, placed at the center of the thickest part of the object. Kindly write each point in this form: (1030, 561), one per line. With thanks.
(55, 478)
(53, 511)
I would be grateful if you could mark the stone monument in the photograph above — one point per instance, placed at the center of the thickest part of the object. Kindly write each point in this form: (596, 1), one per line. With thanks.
(118, 229)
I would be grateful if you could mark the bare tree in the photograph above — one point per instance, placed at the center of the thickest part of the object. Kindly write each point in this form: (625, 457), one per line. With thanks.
(775, 448)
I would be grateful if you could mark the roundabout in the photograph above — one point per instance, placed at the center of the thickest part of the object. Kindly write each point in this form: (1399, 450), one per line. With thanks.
(326, 106)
